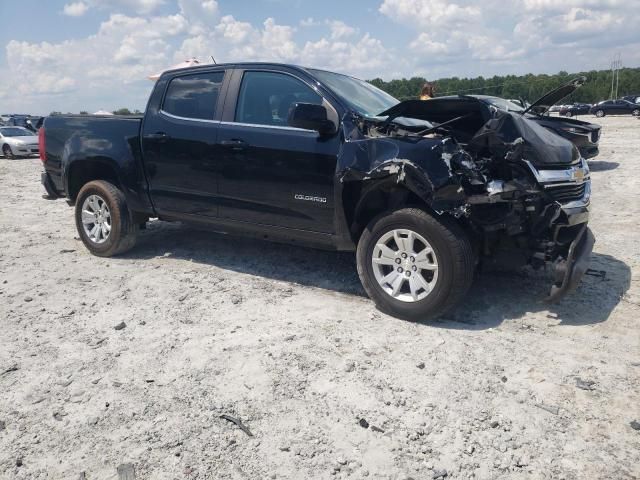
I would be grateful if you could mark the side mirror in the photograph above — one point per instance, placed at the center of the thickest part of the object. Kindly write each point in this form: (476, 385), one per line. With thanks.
(311, 117)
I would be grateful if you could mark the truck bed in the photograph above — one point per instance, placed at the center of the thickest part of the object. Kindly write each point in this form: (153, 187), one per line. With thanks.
(90, 142)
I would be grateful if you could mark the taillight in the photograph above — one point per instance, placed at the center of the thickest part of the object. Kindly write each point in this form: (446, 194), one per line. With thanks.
(41, 145)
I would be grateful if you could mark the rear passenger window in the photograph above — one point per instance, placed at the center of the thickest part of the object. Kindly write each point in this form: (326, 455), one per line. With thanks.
(266, 97)
(193, 96)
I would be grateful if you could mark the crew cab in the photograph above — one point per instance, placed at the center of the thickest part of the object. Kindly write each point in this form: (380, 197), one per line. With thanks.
(422, 191)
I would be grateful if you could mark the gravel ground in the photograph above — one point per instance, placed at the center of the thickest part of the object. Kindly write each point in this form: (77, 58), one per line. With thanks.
(284, 339)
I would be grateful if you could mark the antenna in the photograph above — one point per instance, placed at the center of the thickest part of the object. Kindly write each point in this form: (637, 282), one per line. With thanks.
(214, 60)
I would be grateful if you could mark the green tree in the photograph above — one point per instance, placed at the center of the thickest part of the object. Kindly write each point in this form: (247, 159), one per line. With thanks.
(529, 87)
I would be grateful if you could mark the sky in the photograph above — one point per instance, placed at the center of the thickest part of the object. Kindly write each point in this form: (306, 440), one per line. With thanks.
(73, 55)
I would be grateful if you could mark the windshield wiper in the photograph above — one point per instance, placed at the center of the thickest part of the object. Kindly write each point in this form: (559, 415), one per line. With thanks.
(433, 129)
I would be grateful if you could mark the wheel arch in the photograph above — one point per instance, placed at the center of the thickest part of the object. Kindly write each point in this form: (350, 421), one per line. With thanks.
(369, 199)
(79, 173)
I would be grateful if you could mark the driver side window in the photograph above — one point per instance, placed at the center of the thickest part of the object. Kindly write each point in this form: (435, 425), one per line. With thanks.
(265, 98)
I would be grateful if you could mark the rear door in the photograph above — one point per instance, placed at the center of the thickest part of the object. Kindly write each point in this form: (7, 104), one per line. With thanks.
(179, 142)
(271, 173)
(620, 106)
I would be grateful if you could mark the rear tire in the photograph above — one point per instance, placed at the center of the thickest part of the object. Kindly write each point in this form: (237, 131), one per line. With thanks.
(599, 113)
(123, 230)
(636, 112)
(452, 257)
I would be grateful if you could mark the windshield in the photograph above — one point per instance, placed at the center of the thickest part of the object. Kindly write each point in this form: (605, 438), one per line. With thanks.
(359, 95)
(504, 104)
(16, 132)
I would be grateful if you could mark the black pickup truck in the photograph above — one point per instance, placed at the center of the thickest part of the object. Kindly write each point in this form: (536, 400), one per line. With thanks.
(424, 192)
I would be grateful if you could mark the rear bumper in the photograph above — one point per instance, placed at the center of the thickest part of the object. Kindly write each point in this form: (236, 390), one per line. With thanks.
(48, 185)
(569, 271)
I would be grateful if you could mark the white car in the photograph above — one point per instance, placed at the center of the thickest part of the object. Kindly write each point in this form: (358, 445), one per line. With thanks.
(18, 141)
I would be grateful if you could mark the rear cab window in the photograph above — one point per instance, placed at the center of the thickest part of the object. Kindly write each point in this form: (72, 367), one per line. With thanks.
(265, 98)
(193, 96)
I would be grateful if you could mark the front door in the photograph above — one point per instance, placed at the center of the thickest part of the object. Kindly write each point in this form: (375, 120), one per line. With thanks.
(179, 146)
(271, 173)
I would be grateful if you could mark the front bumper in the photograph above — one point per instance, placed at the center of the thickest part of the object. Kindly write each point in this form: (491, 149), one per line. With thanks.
(569, 271)
(573, 240)
(25, 150)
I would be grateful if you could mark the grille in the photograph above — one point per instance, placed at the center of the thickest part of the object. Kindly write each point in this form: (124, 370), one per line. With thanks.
(567, 193)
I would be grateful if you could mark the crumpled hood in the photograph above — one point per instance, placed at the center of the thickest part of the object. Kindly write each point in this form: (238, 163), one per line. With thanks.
(418, 109)
(541, 145)
(498, 128)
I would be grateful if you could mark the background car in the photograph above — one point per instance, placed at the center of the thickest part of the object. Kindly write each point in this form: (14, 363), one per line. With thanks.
(26, 121)
(18, 141)
(615, 107)
(632, 98)
(575, 109)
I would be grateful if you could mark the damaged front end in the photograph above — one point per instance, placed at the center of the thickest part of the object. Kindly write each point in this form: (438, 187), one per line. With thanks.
(521, 191)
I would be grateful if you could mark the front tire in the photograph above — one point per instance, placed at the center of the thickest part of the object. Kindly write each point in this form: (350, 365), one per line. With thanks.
(635, 112)
(7, 152)
(600, 113)
(569, 114)
(103, 219)
(414, 266)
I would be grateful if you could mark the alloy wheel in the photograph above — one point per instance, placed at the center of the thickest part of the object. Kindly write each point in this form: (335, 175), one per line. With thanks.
(96, 219)
(405, 265)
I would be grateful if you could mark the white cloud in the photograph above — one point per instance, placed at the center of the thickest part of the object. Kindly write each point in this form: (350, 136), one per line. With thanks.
(138, 6)
(430, 13)
(462, 37)
(339, 29)
(75, 9)
(108, 69)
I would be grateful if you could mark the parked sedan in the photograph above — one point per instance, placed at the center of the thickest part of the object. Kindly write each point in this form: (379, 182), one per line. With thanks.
(18, 141)
(575, 109)
(615, 107)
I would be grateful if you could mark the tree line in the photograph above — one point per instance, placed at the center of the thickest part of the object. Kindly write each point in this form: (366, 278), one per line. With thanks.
(529, 87)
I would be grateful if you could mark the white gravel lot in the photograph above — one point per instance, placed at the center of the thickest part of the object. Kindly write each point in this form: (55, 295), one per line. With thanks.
(284, 339)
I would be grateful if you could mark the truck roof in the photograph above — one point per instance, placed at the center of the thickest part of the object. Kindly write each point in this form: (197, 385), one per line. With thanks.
(237, 65)
(249, 65)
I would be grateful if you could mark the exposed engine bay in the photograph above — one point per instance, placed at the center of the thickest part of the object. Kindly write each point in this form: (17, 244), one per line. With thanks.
(520, 190)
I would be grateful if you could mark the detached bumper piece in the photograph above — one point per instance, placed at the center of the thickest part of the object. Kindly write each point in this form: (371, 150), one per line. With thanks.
(52, 194)
(568, 272)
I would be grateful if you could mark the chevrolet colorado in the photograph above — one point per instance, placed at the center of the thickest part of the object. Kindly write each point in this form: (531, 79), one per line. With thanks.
(423, 192)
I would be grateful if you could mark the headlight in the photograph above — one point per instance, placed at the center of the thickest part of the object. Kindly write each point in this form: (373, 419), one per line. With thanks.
(577, 131)
(19, 143)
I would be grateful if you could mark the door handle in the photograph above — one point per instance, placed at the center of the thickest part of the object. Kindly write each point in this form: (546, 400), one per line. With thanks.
(159, 136)
(235, 144)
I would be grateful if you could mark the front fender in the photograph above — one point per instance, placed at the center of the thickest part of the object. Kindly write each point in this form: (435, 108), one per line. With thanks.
(421, 165)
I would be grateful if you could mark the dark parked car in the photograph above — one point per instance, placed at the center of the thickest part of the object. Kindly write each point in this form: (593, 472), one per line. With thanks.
(575, 109)
(615, 107)
(423, 191)
(632, 98)
(26, 121)
(582, 134)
